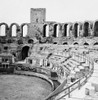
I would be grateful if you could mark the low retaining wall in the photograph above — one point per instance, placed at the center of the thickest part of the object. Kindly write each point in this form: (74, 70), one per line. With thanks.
(27, 73)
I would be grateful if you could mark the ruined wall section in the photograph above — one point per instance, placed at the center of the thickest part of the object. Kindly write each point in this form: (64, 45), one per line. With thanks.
(38, 17)
(34, 29)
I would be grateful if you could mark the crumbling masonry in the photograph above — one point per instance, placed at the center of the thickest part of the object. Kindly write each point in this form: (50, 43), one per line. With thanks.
(43, 31)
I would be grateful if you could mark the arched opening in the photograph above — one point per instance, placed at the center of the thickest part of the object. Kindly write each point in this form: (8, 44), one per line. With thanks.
(65, 30)
(76, 43)
(96, 29)
(55, 43)
(86, 29)
(76, 30)
(6, 48)
(96, 43)
(30, 41)
(65, 43)
(24, 30)
(56, 30)
(20, 41)
(85, 44)
(14, 31)
(2, 30)
(14, 28)
(46, 30)
(9, 40)
(24, 52)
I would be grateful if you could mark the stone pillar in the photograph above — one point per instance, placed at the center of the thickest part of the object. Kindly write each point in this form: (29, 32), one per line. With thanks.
(51, 30)
(60, 31)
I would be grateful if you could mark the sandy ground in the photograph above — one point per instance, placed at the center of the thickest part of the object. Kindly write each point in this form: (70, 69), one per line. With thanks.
(18, 87)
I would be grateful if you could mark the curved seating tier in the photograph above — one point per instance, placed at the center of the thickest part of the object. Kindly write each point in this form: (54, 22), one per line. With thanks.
(79, 65)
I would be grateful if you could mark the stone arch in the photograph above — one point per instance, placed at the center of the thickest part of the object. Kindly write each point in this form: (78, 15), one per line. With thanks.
(55, 30)
(86, 29)
(24, 29)
(30, 41)
(75, 43)
(11, 29)
(5, 29)
(55, 42)
(24, 52)
(65, 30)
(65, 43)
(76, 30)
(45, 30)
(86, 43)
(96, 28)
(96, 43)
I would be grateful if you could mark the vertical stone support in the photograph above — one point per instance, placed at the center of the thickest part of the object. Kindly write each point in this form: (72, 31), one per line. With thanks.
(81, 30)
(59, 30)
(51, 29)
(70, 30)
(91, 29)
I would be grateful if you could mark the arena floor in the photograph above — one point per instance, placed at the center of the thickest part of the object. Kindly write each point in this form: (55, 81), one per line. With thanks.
(18, 87)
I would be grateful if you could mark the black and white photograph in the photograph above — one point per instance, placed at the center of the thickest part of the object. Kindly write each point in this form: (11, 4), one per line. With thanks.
(48, 49)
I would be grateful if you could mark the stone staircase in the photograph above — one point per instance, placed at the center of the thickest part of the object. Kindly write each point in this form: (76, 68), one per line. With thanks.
(80, 94)
(75, 62)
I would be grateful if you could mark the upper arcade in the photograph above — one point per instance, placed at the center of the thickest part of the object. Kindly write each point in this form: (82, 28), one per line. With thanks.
(39, 26)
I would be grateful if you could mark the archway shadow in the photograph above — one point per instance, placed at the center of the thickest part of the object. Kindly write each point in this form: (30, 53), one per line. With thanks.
(24, 52)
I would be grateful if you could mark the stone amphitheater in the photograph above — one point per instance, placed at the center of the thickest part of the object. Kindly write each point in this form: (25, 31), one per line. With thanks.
(53, 61)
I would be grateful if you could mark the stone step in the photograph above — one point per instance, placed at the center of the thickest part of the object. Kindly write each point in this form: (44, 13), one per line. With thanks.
(80, 94)
(74, 62)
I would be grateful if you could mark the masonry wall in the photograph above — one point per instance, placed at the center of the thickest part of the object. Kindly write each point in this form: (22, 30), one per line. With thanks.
(37, 20)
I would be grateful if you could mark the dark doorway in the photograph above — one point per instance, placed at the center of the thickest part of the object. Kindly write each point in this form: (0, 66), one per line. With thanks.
(96, 43)
(86, 29)
(30, 41)
(76, 30)
(65, 30)
(65, 43)
(86, 44)
(44, 30)
(24, 52)
(55, 30)
(96, 29)
(75, 43)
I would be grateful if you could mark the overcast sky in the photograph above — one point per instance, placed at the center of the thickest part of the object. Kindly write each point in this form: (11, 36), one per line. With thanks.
(56, 10)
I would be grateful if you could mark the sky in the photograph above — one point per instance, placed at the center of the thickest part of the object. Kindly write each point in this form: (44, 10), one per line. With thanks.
(56, 10)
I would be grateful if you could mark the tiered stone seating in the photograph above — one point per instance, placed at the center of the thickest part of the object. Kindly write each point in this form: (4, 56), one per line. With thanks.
(63, 62)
